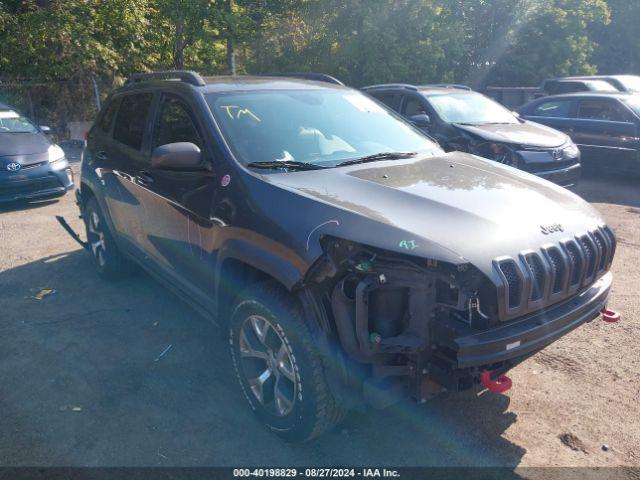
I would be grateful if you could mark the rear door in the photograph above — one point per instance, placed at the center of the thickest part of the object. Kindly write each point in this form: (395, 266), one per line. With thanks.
(606, 133)
(118, 157)
(180, 236)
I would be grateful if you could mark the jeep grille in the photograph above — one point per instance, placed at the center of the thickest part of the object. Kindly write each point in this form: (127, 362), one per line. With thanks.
(540, 278)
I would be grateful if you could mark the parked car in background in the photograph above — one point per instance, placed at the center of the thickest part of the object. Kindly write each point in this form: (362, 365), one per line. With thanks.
(624, 83)
(464, 120)
(606, 127)
(556, 86)
(31, 166)
(349, 259)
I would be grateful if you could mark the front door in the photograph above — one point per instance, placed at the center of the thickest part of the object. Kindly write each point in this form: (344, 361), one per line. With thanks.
(180, 237)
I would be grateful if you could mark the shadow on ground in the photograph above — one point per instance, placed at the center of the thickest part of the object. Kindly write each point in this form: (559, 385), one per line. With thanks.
(83, 385)
(7, 207)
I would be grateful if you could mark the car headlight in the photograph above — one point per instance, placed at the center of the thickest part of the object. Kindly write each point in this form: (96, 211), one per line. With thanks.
(498, 152)
(55, 153)
(571, 150)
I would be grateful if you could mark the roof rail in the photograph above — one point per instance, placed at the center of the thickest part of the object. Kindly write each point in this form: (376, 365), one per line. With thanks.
(186, 76)
(391, 85)
(318, 77)
(457, 86)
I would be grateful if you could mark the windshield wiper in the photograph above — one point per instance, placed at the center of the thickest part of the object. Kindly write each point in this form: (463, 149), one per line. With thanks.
(288, 164)
(377, 157)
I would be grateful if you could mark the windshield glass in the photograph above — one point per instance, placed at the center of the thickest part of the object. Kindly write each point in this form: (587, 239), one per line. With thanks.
(470, 108)
(601, 86)
(633, 102)
(11, 122)
(631, 82)
(323, 127)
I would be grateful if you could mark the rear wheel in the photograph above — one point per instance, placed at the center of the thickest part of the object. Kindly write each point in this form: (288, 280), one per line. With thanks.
(109, 261)
(278, 365)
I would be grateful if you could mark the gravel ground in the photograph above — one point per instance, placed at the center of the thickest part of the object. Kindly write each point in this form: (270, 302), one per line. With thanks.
(81, 385)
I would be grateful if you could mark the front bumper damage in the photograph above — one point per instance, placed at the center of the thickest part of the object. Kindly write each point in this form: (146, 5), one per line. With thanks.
(522, 337)
(410, 328)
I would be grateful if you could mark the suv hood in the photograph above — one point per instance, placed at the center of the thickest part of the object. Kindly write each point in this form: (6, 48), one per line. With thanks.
(455, 207)
(527, 133)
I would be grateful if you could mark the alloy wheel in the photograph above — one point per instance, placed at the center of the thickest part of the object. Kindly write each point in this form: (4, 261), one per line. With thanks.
(268, 365)
(96, 238)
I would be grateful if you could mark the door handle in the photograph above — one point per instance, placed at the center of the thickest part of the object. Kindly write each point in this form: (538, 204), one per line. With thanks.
(101, 155)
(144, 178)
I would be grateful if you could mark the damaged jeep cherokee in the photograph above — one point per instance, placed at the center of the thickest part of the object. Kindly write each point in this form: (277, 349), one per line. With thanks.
(349, 258)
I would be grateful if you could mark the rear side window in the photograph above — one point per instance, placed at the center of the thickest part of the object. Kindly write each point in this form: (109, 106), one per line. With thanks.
(413, 106)
(558, 109)
(602, 110)
(132, 119)
(391, 100)
(107, 118)
(175, 124)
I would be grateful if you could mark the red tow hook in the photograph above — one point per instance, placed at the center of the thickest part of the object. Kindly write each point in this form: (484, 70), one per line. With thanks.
(499, 386)
(610, 316)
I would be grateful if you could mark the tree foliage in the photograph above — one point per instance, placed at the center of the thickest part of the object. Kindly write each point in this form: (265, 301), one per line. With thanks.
(508, 42)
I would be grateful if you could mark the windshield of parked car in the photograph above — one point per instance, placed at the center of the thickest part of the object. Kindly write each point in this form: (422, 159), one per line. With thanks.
(630, 82)
(321, 127)
(12, 122)
(470, 108)
(600, 86)
(633, 102)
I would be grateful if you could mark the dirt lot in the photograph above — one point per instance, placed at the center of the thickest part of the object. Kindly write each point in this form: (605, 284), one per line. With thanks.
(81, 385)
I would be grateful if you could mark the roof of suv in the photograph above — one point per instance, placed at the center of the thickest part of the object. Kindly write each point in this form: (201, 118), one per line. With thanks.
(588, 94)
(436, 89)
(227, 83)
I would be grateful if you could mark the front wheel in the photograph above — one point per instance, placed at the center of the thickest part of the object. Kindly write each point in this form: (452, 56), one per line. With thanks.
(278, 365)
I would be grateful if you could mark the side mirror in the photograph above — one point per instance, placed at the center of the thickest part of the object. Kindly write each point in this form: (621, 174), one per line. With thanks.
(45, 129)
(176, 156)
(420, 120)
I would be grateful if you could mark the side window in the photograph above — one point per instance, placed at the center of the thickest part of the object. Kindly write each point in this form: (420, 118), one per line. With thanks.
(601, 110)
(391, 100)
(557, 108)
(132, 119)
(107, 118)
(413, 106)
(175, 124)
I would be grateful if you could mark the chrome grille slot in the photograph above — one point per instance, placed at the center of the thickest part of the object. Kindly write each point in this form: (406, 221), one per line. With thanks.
(576, 262)
(612, 249)
(603, 248)
(591, 257)
(538, 276)
(514, 282)
(558, 268)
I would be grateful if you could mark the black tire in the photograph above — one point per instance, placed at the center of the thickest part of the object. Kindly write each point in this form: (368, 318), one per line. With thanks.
(313, 410)
(110, 262)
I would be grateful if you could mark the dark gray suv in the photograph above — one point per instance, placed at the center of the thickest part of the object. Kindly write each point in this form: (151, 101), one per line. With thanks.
(348, 258)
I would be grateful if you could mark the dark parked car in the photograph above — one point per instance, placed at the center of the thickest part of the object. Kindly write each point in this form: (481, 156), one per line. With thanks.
(606, 127)
(31, 166)
(463, 120)
(347, 256)
(623, 83)
(557, 86)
